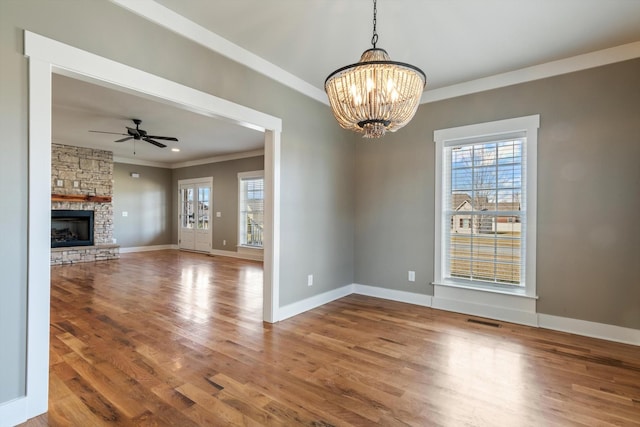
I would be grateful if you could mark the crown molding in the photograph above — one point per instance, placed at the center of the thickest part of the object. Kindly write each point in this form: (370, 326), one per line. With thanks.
(217, 159)
(117, 159)
(536, 72)
(180, 25)
(205, 161)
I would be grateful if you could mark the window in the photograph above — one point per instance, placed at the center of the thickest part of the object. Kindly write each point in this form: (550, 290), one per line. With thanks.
(485, 177)
(251, 208)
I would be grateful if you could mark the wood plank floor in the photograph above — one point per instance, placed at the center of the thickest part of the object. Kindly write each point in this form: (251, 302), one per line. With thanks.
(170, 338)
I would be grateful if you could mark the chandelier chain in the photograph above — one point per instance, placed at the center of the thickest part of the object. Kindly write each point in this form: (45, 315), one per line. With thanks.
(374, 38)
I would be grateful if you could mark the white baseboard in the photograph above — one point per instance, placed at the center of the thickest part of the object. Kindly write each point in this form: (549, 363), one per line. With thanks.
(241, 255)
(524, 314)
(590, 329)
(147, 248)
(313, 302)
(13, 412)
(393, 295)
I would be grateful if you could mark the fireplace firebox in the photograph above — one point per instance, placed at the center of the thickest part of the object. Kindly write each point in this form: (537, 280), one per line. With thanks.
(71, 228)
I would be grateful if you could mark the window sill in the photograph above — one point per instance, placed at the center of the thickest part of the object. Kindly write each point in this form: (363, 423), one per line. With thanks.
(518, 292)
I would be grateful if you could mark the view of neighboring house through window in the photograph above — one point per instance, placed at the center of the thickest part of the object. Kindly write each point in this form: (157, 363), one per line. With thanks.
(251, 208)
(482, 204)
(485, 188)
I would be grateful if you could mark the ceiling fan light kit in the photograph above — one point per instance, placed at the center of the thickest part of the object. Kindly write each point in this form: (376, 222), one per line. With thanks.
(376, 94)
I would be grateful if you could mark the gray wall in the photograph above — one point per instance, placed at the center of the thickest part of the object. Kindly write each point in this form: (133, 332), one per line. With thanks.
(148, 203)
(317, 210)
(13, 178)
(224, 197)
(588, 192)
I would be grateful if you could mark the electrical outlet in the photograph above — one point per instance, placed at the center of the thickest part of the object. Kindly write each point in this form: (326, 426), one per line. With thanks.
(412, 276)
(310, 280)
(224, 243)
(125, 213)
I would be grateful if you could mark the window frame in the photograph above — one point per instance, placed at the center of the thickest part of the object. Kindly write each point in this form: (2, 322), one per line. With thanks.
(478, 133)
(244, 176)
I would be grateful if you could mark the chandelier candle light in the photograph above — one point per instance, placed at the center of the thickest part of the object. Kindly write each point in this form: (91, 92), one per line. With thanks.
(376, 94)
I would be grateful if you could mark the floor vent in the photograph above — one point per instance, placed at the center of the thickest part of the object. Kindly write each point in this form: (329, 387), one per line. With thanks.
(484, 322)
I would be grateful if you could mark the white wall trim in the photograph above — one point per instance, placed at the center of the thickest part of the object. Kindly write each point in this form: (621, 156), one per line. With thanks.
(140, 162)
(206, 161)
(590, 329)
(537, 72)
(218, 159)
(39, 230)
(47, 56)
(132, 249)
(315, 301)
(13, 412)
(393, 295)
(180, 25)
(242, 255)
(523, 313)
(271, 243)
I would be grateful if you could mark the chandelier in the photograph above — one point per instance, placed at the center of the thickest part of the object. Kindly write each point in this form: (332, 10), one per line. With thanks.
(376, 94)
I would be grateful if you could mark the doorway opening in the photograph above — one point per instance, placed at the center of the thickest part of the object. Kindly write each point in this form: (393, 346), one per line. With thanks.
(47, 56)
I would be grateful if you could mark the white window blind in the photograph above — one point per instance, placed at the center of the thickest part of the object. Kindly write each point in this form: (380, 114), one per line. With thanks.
(484, 210)
(251, 209)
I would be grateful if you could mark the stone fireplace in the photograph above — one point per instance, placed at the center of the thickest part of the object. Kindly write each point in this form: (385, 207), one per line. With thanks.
(81, 182)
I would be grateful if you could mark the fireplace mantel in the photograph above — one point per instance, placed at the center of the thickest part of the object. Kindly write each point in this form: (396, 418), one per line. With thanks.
(80, 198)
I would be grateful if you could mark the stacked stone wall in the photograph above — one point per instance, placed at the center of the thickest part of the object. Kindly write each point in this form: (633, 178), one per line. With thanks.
(85, 172)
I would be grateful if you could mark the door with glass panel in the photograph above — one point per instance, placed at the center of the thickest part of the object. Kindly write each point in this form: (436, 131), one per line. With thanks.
(195, 220)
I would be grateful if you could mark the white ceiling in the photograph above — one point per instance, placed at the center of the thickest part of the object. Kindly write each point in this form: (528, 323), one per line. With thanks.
(452, 41)
(79, 107)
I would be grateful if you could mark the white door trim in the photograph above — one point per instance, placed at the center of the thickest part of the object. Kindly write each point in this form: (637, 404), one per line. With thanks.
(47, 56)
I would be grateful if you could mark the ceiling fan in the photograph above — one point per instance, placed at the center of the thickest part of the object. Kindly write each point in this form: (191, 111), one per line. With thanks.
(138, 134)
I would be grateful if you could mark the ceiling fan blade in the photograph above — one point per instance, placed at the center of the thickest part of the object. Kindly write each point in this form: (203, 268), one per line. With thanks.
(156, 143)
(123, 139)
(166, 138)
(110, 133)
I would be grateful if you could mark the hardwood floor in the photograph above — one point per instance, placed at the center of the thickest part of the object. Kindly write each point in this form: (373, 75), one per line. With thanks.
(171, 338)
